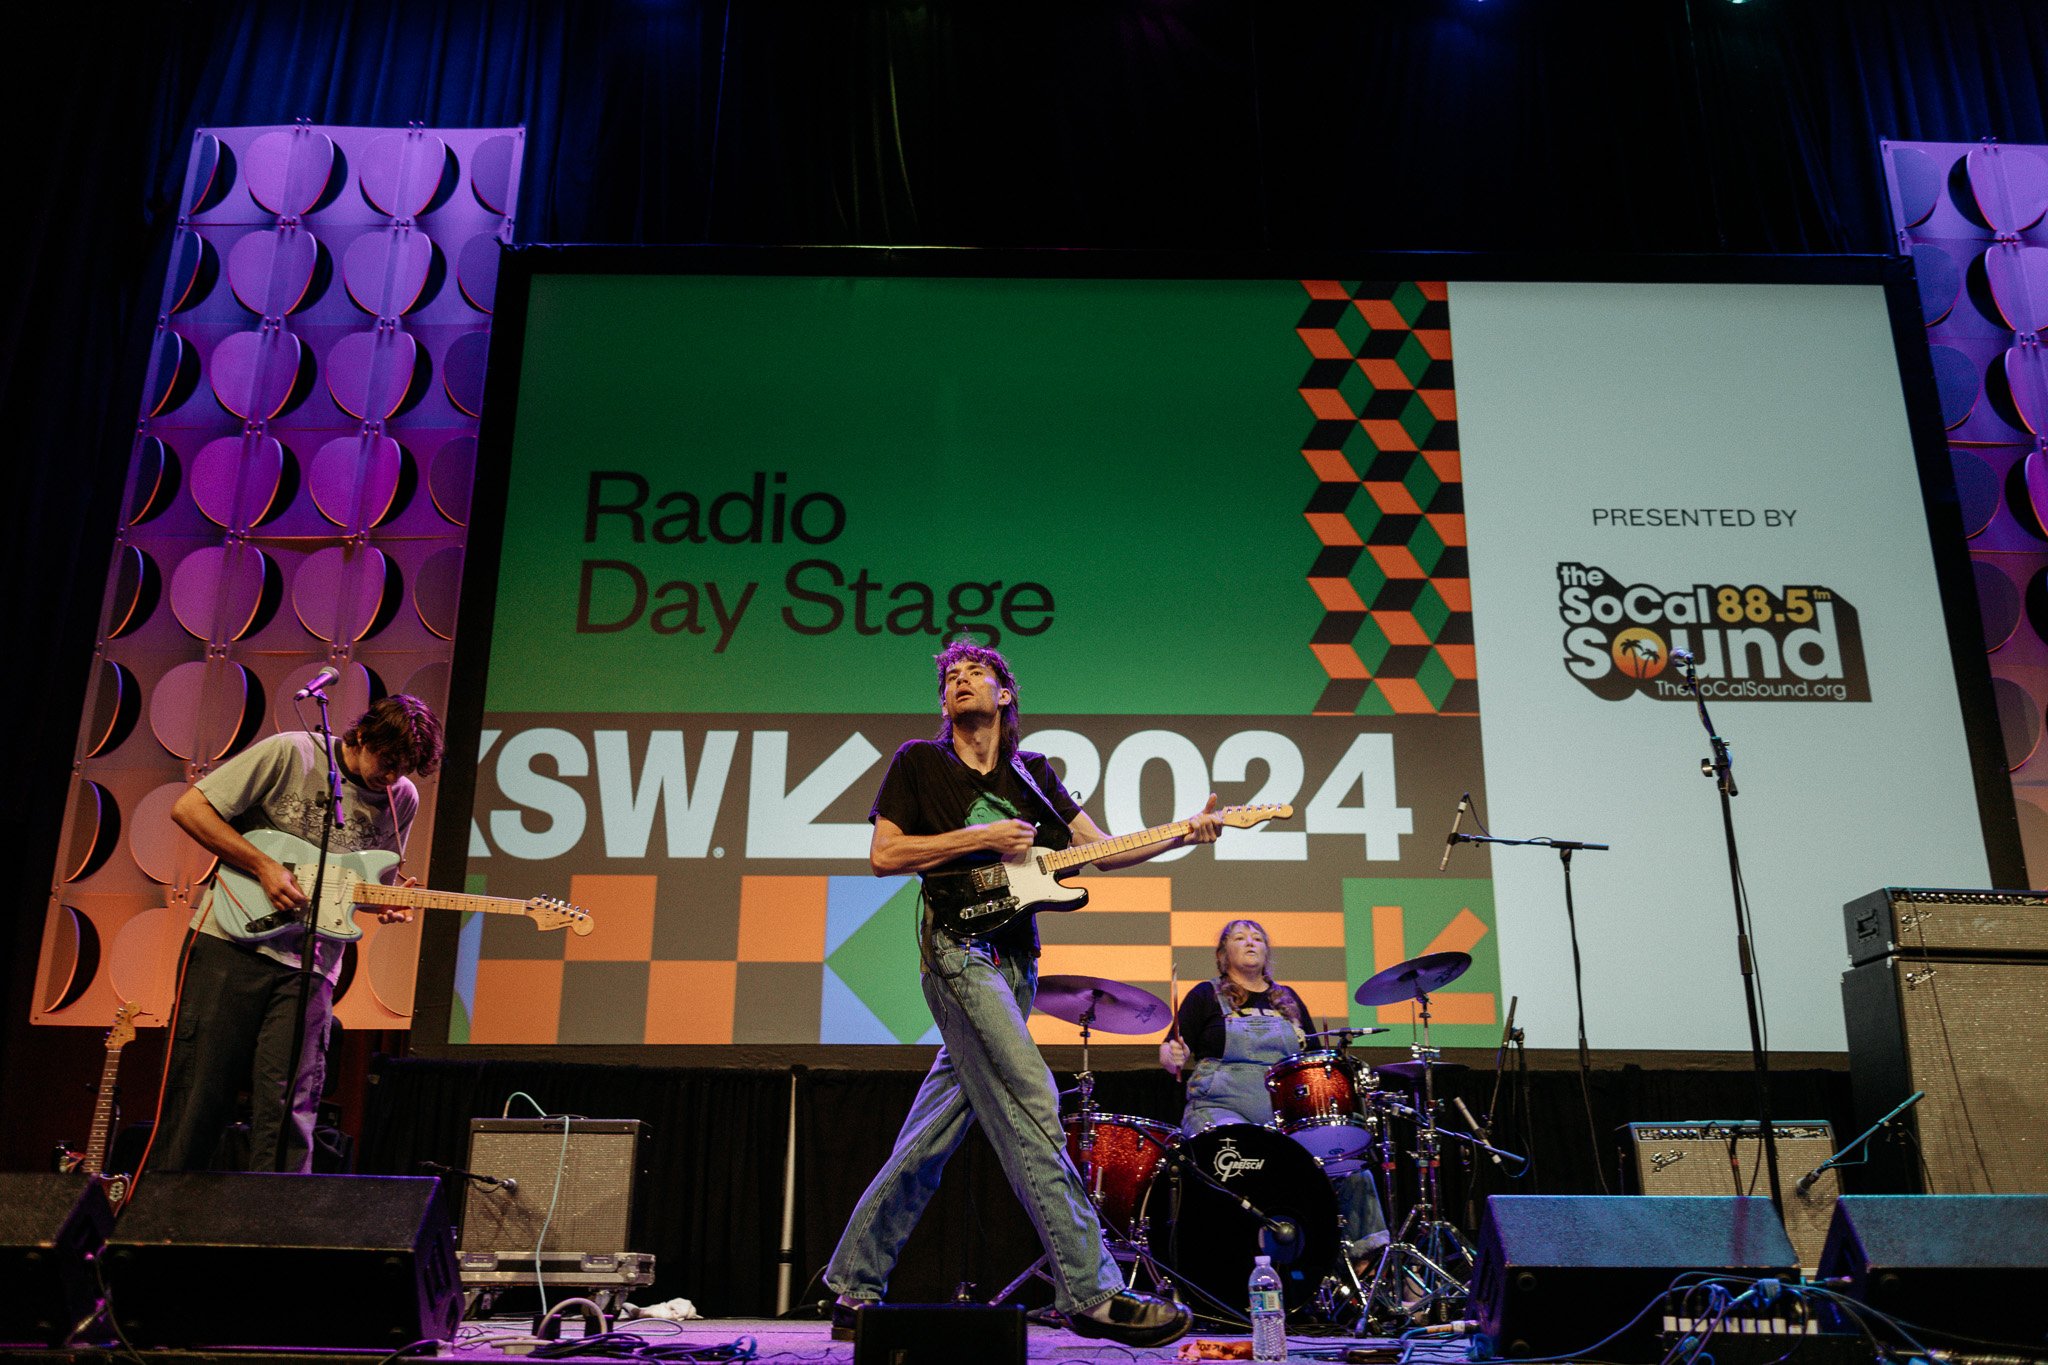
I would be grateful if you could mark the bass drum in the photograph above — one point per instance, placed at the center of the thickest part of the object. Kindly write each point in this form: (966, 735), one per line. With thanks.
(1214, 1240)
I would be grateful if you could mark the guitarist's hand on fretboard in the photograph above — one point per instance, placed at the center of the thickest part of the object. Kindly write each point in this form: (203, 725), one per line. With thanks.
(398, 914)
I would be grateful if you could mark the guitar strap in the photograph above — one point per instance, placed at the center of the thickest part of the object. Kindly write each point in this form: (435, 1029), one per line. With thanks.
(1024, 776)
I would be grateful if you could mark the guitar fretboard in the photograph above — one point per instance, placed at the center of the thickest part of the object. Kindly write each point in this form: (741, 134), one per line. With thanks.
(1109, 848)
(423, 898)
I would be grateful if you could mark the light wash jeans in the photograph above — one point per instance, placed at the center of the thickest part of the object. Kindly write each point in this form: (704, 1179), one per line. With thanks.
(988, 1070)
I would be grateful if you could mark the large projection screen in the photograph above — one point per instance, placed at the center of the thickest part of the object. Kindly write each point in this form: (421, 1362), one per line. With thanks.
(1362, 541)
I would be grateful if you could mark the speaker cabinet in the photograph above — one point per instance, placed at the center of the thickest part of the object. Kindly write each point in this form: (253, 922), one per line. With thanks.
(1972, 1034)
(1556, 1274)
(597, 1164)
(1975, 1265)
(942, 1334)
(49, 1225)
(1694, 1157)
(225, 1259)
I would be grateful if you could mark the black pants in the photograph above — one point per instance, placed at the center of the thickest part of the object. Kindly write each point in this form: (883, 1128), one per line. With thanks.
(236, 1014)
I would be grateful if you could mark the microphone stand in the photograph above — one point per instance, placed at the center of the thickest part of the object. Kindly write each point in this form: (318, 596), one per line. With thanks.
(1565, 848)
(1719, 766)
(308, 948)
(1805, 1182)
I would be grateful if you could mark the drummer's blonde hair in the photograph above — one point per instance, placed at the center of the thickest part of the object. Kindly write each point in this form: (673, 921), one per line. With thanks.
(1233, 995)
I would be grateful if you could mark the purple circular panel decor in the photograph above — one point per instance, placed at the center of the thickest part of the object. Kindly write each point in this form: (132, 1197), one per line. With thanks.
(462, 370)
(490, 172)
(155, 479)
(143, 958)
(270, 270)
(2037, 604)
(371, 372)
(188, 262)
(450, 477)
(2019, 720)
(206, 169)
(2010, 185)
(2026, 375)
(339, 592)
(133, 599)
(437, 590)
(116, 703)
(236, 479)
(1976, 490)
(401, 171)
(287, 171)
(355, 479)
(1919, 182)
(253, 372)
(1957, 381)
(347, 697)
(430, 685)
(74, 958)
(386, 270)
(165, 853)
(198, 708)
(217, 590)
(1998, 603)
(2019, 284)
(1939, 279)
(476, 270)
(169, 356)
(95, 820)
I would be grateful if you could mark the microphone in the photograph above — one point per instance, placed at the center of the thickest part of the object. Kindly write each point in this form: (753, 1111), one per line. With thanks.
(1809, 1180)
(322, 680)
(1451, 839)
(506, 1183)
(1478, 1128)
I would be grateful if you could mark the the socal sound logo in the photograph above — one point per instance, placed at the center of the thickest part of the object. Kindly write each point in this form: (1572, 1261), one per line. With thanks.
(1794, 642)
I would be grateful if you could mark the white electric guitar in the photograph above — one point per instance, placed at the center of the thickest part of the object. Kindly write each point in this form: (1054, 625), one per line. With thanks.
(354, 880)
(973, 901)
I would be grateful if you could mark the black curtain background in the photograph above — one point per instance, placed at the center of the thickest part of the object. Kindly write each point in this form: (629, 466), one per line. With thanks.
(1590, 128)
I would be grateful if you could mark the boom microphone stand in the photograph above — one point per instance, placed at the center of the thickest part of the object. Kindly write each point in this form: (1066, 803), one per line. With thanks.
(1719, 766)
(309, 942)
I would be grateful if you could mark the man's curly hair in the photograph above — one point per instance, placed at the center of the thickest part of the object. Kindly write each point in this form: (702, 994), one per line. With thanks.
(403, 731)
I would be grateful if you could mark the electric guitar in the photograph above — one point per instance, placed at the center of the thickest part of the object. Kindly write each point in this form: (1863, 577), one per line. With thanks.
(353, 880)
(93, 1160)
(973, 901)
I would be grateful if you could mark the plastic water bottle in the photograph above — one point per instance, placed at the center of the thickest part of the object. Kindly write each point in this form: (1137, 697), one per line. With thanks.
(1269, 1317)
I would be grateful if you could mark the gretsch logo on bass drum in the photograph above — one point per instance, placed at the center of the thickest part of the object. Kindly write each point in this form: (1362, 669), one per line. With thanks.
(1229, 1161)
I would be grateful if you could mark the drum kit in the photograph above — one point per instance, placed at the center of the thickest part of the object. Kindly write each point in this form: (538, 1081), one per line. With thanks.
(1231, 1193)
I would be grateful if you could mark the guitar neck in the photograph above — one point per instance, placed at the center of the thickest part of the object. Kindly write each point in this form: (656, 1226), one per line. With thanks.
(1108, 848)
(102, 1115)
(423, 898)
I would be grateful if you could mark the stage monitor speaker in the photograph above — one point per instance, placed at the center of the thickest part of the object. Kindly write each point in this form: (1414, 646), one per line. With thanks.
(50, 1227)
(219, 1259)
(1975, 1265)
(1692, 1157)
(941, 1334)
(597, 1164)
(1972, 1034)
(1559, 1275)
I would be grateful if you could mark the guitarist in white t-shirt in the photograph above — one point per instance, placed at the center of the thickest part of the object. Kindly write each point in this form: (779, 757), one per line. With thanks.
(238, 1001)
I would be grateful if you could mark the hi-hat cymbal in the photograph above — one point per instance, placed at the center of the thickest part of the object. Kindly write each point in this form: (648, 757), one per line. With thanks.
(1105, 1005)
(1417, 976)
(1408, 1074)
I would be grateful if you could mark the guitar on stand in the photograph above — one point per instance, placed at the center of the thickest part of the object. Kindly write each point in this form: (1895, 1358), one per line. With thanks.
(93, 1160)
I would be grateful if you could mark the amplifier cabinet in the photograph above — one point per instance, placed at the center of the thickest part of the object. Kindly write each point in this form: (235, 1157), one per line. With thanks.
(1693, 1157)
(598, 1163)
(1973, 1035)
(1918, 921)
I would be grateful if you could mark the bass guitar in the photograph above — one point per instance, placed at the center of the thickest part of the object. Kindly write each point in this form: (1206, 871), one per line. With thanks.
(354, 880)
(973, 901)
(93, 1160)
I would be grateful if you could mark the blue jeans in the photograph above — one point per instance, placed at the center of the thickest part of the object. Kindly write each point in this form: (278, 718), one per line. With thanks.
(988, 1070)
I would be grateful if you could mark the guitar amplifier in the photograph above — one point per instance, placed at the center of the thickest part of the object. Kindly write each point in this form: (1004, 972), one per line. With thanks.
(1946, 923)
(1693, 1158)
(573, 1177)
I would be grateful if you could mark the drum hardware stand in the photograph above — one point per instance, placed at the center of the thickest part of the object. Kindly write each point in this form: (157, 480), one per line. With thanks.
(1421, 1254)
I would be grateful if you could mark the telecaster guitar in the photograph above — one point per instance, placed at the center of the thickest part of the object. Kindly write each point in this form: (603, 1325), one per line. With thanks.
(93, 1160)
(354, 880)
(973, 901)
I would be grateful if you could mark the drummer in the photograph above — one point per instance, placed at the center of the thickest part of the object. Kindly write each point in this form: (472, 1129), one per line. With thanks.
(1232, 1029)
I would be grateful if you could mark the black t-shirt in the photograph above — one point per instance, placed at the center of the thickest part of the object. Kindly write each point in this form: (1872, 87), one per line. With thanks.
(1201, 1016)
(929, 790)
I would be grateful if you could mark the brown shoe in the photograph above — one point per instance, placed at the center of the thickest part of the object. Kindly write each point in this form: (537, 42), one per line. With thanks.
(1132, 1319)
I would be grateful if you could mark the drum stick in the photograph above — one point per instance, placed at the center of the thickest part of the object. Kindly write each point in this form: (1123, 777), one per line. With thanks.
(1173, 998)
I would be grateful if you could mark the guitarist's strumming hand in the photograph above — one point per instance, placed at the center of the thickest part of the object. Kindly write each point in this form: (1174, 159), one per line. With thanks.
(1008, 837)
(278, 884)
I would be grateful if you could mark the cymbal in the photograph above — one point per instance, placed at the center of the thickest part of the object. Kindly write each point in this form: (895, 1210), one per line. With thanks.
(1352, 1032)
(1109, 1006)
(1410, 1073)
(1417, 976)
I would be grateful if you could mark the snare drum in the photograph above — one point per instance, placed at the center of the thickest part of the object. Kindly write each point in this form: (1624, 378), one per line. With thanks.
(1318, 1100)
(1118, 1157)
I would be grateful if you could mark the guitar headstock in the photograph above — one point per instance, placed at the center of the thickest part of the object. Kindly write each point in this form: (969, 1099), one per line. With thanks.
(1244, 817)
(552, 912)
(123, 1031)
